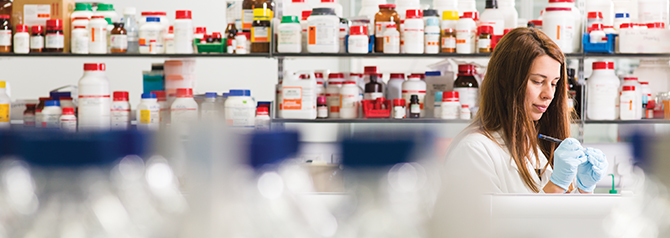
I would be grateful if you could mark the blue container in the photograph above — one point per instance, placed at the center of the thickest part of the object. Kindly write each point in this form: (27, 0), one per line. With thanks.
(153, 81)
(607, 47)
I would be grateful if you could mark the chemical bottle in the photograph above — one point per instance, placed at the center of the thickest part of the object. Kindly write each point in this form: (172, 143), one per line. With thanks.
(344, 32)
(593, 18)
(391, 39)
(289, 35)
(97, 36)
(414, 86)
(320, 89)
(437, 105)
(432, 36)
(465, 34)
(629, 103)
(5, 107)
(82, 10)
(169, 41)
(94, 101)
(118, 39)
(183, 111)
(358, 40)
(107, 10)
(183, 32)
(451, 106)
(148, 113)
(79, 40)
(394, 86)
(414, 107)
(466, 114)
(413, 36)
(386, 15)
(510, 13)
(559, 24)
(332, 4)
(68, 122)
(120, 111)
(165, 107)
(403, 5)
(466, 85)
(241, 109)
(399, 111)
(494, 17)
(299, 96)
(606, 7)
(323, 31)
(373, 89)
(248, 14)
(603, 91)
(597, 34)
(335, 82)
(484, 39)
(80, 21)
(646, 95)
(322, 107)
(304, 25)
(51, 114)
(369, 8)
(132, 30)
(261, 31)
(151, 37)
(38, 111)
(242, 43)
(29, 115)
(637, 89)
(349, 100)
(209, 110)
(368, 72)
(297, 7)
(262, 122)
(21, 40)
(448, 31)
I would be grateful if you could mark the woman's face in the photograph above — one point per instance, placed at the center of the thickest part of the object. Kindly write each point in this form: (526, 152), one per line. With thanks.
(544, 75)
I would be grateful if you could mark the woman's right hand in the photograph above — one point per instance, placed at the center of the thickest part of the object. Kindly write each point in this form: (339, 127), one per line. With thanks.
(567, 158)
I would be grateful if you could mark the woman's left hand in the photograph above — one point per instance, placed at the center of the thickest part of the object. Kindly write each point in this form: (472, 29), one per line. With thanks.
(592, 171)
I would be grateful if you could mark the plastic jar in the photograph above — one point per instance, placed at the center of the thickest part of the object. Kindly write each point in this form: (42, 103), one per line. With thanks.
(151, 37)
(148, 113)
(343, 32)
(54, 40)
(559, 25)
(29, 115)
(67, 121)
(466, 114)
(653, 11)
(289, 35)
(386, 15)
(241, 109)
(323, 31)
(597, 34)
(432, 36)
(262, 121)
(602, 92)
(331, 4)
(79, 40)
(209, 110)
(94, 101)
(415, 86)
(358, 40)
(391, 39)
(629, 103)
(97, 36)
(511, 15)
(120, 114)
(349, 100)
(21, 40)
(451, 107)
(183, 111)
(494, 17)
(594, 18)
(466, 85)
(51, 114)
(394, 86)
(637, 89)
(80, 21)
(183, 32)
(241, 43)
(465, 34)
(413, 36)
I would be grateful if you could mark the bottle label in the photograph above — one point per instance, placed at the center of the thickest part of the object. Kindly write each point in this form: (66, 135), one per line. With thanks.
(29, 120)
(119, 42)
(55, 41)
(209, 115)
(398, 112)
(415, 108)
(5, 37)
(292, 98)
(4, 112)
(247, 18)
(98, 34)
(260, 34)
(289, 37)
(380, 28)
(392, 44)
(180, 115)
(348, 101)
(333, 101)
(149, 116)
(120, 118)
(80, 45)
(68, 124)
(240, 116)
(484, 44)
(37, 42)
(465, 41)
(450, 110)
(467, 96)
(432, 42)
(448, 42)
(466, 114)
(21, 43)
(51, 121)
(323, 33)
(372, 96)
(498, 26)
(94, 111)
(322, 112)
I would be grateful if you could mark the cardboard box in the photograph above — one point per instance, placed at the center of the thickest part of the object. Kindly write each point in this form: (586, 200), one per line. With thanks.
(37, 12)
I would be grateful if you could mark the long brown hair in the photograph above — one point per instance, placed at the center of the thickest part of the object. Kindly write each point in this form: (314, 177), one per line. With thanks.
(503, 99)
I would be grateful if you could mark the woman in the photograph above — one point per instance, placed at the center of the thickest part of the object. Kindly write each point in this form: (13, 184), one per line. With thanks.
(523, 94)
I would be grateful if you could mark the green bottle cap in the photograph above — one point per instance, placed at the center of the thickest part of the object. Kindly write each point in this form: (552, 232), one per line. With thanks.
(290, 19)
(81, 7)
(105, 7)
(109, 21)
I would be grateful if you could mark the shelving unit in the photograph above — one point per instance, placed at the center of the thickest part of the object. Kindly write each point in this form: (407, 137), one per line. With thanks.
(68, 55)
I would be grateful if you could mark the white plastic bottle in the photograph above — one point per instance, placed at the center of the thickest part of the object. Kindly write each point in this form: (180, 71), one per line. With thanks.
(289, 35)
(151, 37)
(597, 34)
(94, 101)
(432, 36)
(241, 109)
(97, 36)
(183, 32)
(241, 43)
(67, 121)
(80, 21)
(637, 89)
(602, 92)
(594, 18)
(465, 34)
(299, 97)
(51, 114)
(184, 110)
(323, 31)
(494, 17)
(394, 86)
(335, 83)
(629, 104)
(451, 107)
(209, 109)
(262, 121)
(413, 32)
(577, 18)
(466, 114)
(79, 40)
(511, 15)
(391, 39)
(296, 8)
(358, 40)
(5, 107)
(21, 40)
(168, 40)
(415, 86)
(148, 113)
(331, 4)
(559, 25)
(165, 107)
(120, 111)
(349, 100)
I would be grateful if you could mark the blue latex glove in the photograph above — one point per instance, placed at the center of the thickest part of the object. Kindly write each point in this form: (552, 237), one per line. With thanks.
(592, 171)
(567, 157)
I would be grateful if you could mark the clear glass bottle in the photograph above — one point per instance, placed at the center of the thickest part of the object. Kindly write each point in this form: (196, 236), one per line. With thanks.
(132, 30)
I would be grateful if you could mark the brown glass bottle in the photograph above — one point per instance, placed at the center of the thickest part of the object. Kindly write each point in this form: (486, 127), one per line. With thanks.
(247, 14)
(466, 85)
(7, 34)
(260, 31)
(119, 38)
(385, 16)
(448, 43)
(36, 39)
(231, 31)
(6, 7)
(374, 89)
(54, 40)
(484, 40)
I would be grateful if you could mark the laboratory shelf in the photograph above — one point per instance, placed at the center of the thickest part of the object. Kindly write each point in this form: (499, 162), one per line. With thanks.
(378, 55)
(600, 55)
(374, 121)
(69, 55)
(644, 121)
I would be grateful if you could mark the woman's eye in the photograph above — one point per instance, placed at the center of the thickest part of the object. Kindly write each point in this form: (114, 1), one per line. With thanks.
(553, 85)
(537, 82)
